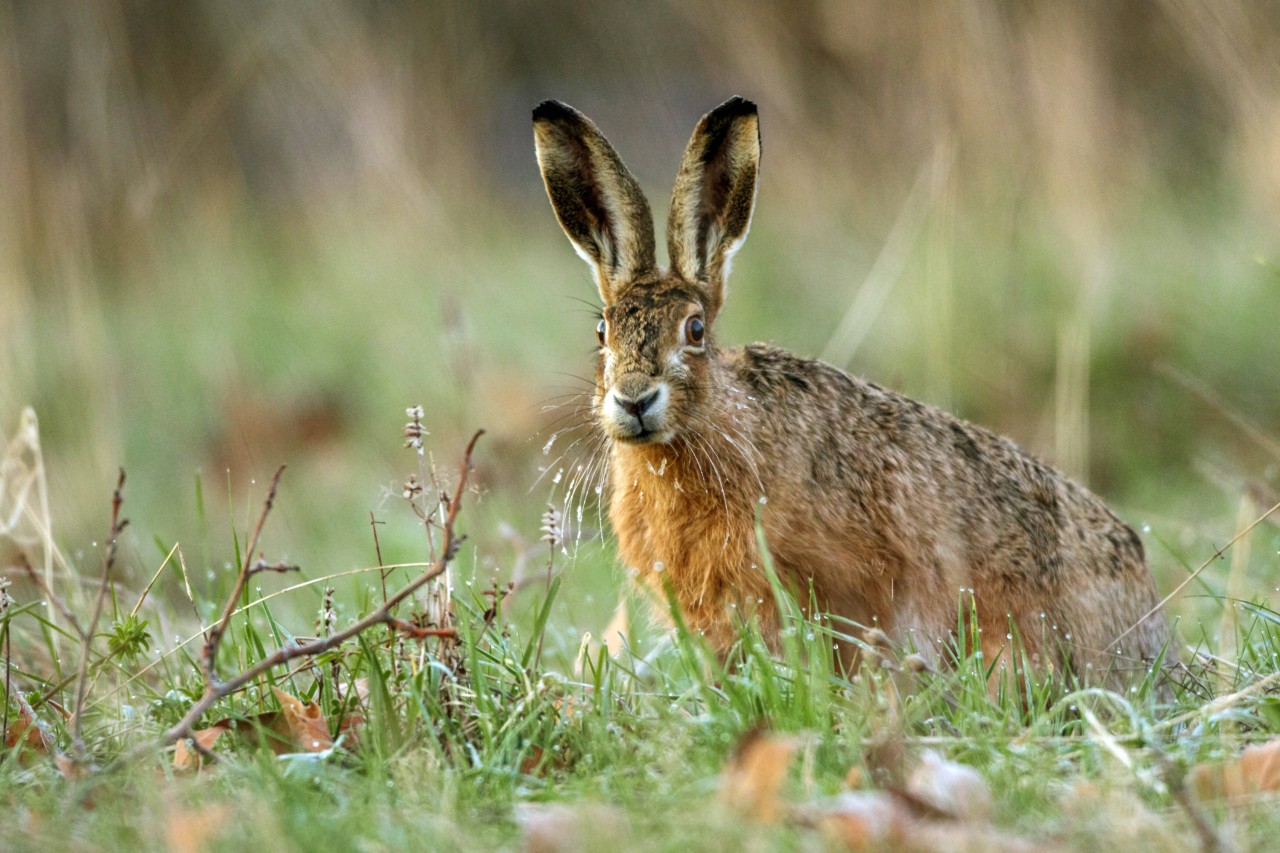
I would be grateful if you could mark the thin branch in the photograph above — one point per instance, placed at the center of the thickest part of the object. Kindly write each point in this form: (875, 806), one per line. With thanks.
(209, 655)
(57, 603)
(377, 549)
(86, 640)
(279, 568)
(417, 631)
(216, 690)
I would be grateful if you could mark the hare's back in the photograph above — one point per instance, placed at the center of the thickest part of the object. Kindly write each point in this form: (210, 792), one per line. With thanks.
(868, 455)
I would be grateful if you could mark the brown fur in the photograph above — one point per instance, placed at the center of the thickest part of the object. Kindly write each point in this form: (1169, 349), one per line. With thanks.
(893, 512)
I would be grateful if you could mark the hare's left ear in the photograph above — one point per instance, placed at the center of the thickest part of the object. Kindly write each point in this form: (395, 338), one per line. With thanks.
(714, 195)
(598, 202)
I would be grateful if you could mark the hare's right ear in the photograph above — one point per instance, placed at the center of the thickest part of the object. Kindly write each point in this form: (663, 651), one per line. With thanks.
(714, 196)
(711, 208)
(598, 202)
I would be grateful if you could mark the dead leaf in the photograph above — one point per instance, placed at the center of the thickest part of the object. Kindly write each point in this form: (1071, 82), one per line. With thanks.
(188, 758)
(755, 773)
(953, 789)
(1256, 771)
(861, 820)
(26, 730)
(531, 760)
(884, 820)
(68, 766)
(305, 725)
(350, 726)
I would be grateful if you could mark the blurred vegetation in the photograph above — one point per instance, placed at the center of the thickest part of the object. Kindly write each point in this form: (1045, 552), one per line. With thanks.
(236, 234)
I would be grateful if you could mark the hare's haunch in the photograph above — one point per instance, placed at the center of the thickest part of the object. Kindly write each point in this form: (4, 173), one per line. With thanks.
(889, 509)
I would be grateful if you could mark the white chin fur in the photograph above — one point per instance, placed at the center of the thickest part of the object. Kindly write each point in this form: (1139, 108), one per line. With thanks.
(650, 427)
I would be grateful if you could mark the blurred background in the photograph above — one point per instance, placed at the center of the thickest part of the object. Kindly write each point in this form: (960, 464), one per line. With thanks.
(235, 235)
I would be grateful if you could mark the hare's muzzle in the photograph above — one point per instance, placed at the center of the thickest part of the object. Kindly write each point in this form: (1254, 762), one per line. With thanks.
(631, 414)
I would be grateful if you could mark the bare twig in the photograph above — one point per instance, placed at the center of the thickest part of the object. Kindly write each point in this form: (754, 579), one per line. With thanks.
(209, 655)
(56, 602)
(377, 550)
(216, 690)
(86, 639)
(418, 631)
(279, 568)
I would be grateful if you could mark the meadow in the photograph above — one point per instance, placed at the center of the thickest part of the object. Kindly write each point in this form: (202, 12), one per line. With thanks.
(268, 258)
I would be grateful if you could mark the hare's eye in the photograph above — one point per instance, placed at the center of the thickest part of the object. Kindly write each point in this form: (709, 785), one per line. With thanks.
(600, 332)
(694, 331)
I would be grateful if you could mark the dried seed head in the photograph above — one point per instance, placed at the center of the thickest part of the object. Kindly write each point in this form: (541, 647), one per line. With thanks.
(412, 488)
(414, 431)
(552, 527)
(5, 598)
(328, 619)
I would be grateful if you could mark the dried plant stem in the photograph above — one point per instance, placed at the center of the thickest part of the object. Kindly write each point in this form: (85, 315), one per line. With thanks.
(86, 637)
(377, 550)
(209, 655)
(1189, 578)
(216, 689)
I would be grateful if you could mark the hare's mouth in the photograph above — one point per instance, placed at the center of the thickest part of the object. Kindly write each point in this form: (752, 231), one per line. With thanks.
(639, 418)
(646, 436)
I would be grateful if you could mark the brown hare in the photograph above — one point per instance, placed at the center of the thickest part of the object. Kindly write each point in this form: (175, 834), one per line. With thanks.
(888, 511)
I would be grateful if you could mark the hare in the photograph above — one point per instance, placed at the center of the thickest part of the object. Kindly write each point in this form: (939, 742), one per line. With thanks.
(888, 512)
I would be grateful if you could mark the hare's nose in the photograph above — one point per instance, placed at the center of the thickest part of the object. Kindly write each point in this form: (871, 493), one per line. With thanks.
(636, 408)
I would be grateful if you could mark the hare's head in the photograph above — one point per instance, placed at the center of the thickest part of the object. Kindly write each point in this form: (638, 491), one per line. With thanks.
(657, 344)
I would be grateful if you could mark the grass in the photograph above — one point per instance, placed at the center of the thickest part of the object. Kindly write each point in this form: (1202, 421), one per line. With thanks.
(460, 744)
(231, 355)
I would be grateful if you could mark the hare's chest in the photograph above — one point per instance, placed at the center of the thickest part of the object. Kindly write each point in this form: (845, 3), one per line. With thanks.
(666, 519)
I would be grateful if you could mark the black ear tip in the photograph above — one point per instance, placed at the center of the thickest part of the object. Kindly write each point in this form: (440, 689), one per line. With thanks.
(735, 107)
(553, 111)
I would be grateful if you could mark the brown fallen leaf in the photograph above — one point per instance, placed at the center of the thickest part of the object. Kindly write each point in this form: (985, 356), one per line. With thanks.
(305, 726)
(1256, 771)
(755, 773)
(189, 758)
(531, 760)
(860, 820)
(30, 735)
(885, 820)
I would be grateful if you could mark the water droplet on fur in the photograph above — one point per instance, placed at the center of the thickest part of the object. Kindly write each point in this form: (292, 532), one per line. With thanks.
(659, 566)
(546, 448)
(763, 500)
(599, 489)
(558, 476)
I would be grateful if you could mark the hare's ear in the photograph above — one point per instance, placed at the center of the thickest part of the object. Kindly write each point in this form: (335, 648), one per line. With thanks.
(714, 196)
(598, 202)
